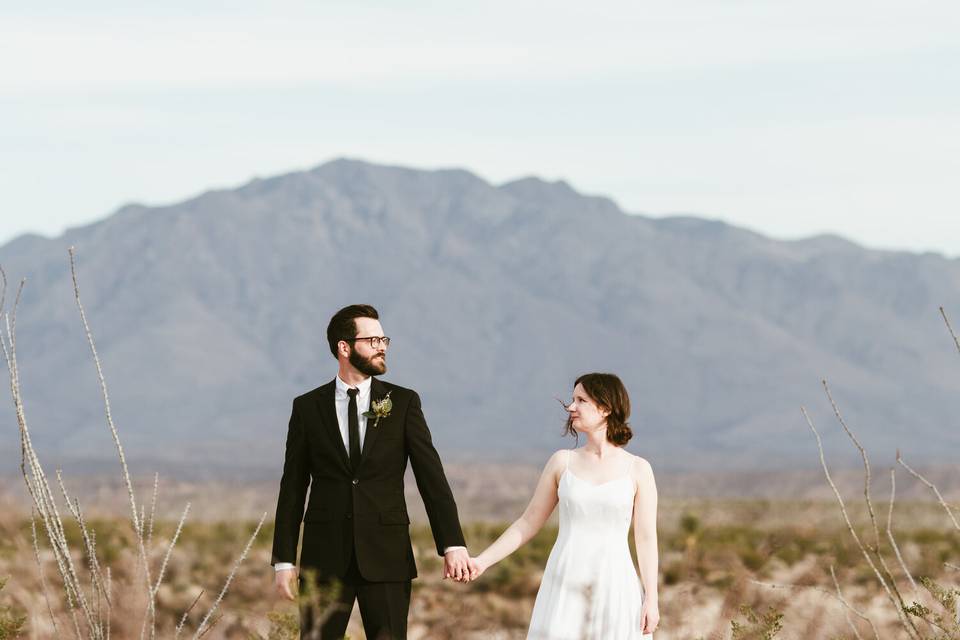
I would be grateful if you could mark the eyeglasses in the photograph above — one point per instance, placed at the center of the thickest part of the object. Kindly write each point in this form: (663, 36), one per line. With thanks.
(373, 341)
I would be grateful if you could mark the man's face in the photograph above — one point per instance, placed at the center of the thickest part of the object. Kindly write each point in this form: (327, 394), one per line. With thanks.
(364, 358)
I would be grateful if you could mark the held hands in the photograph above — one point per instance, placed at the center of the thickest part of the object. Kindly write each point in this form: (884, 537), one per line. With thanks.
(284, 580)
(459, 566)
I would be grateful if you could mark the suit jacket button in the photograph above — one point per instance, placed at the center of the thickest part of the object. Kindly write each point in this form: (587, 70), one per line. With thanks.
(355, 481)
(349, 516)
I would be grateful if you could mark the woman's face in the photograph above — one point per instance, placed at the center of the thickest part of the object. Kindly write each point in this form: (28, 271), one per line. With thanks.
(585, 415)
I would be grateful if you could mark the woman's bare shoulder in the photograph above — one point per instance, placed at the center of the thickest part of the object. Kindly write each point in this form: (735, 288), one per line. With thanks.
(640, 467)
(555, 465)
(558, 460)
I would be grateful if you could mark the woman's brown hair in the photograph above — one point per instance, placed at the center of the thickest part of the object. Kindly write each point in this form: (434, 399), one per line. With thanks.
(607, 392)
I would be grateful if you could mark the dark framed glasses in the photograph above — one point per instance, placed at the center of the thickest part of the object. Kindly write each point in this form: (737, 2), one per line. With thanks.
(373, 341)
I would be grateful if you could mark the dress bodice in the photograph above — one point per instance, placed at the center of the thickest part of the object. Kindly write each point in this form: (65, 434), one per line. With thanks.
(606, 507)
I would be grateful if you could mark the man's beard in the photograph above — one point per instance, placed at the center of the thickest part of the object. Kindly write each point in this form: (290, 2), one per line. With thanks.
(368, 366)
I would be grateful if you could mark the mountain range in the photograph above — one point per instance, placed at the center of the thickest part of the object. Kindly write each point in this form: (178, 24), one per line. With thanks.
(210, 316)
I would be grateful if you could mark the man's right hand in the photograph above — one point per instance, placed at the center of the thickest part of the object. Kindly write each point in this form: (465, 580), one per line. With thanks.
(285, 579)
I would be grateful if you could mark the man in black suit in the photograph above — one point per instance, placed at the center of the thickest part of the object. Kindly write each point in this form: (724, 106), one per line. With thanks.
(349, 441)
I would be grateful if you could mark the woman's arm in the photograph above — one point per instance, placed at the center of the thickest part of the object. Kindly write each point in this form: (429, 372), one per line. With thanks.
(526, 526)
(645, 539)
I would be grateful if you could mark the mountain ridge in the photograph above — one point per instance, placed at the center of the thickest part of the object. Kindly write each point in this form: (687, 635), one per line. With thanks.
(209, 314)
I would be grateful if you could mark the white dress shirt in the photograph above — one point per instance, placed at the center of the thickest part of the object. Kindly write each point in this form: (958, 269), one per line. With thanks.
(342, 402)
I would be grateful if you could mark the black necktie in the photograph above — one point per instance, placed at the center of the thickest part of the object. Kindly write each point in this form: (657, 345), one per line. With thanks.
(353, 427)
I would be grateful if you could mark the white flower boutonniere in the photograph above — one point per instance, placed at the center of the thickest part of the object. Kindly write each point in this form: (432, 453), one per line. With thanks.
(379, 409)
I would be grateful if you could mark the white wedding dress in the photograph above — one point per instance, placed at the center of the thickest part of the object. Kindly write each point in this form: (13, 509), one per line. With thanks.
(590, 588)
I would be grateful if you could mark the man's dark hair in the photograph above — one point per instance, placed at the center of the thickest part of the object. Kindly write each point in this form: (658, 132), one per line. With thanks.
(343, 325)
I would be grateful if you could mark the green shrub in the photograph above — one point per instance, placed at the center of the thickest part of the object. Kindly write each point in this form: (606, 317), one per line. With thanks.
(11, 622)
(763, 626)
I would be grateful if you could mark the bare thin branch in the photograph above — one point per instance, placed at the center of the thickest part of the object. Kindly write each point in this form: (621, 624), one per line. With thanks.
(211, 626)
(799, 587)
(173, 542)
(36, 551)
(163, 568)
(183, 619)
(104, 392)
(87, 536)
(863, 456)
(135, 518)
(153, 509)
(906, 622)
(95, 590)
(153, 593)
(881, 561)
(39, 488)
(13, 314)
(950, 329)
(109, 594)
(850, 608)
(932, 487)
(893, 541)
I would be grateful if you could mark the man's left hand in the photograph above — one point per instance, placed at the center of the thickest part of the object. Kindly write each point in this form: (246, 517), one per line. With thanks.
(456, 565)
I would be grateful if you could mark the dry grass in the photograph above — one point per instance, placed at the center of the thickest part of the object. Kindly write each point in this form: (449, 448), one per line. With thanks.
(710, 554)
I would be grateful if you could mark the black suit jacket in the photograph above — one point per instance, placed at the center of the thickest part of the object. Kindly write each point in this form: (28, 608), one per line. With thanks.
(363, 512)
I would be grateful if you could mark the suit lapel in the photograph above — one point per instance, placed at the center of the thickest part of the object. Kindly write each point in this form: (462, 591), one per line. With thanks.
(328, 416)
(378, 391)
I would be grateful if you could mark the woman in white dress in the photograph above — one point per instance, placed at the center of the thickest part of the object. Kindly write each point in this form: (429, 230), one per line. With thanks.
(590, 587)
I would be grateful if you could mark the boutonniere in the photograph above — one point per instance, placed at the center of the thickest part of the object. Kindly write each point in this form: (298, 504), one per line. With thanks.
(380, 408)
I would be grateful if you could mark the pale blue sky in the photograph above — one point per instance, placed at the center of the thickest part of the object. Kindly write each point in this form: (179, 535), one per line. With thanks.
(787, 118)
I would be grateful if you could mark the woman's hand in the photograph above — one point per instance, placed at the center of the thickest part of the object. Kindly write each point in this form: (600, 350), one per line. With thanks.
(477, 567)
(649, 616)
